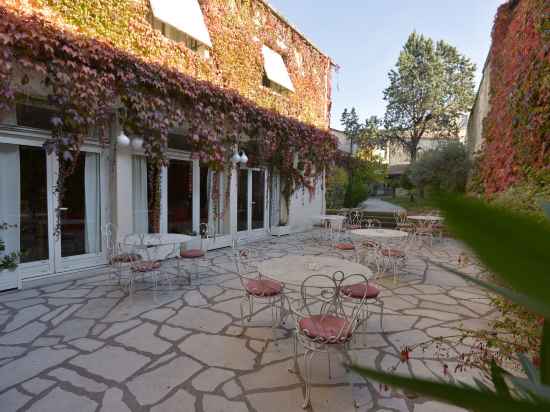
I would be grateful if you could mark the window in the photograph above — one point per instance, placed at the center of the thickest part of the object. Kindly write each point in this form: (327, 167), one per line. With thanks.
(275, 71)
(181, 21)
(174, 34)
(36, 117)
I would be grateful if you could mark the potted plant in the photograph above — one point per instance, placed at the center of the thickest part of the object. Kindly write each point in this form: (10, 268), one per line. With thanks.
(9, 261)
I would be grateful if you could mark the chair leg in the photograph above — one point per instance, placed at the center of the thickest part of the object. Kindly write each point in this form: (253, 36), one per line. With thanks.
(329, 366)
(243, 300)
(308, 357)
(381, 315)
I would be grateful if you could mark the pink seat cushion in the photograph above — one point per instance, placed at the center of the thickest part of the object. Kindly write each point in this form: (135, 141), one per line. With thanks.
(146, 266)
(263, 287)
(358, 290)
(345, 246)
(192, 253)
(395, 253)
(326, 328)
(125, 258)
(354, 227)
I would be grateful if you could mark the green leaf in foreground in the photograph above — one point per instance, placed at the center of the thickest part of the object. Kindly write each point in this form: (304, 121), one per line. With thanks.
(464, 397)
(543, 308)
(513, 246)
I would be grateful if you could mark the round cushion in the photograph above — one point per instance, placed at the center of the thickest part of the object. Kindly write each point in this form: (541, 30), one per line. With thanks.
(394, 253)
(192, 253)
(358, 290)
(125, 258)
(263, 287)
(370, 244)
(326, 328)
(146, 266)
(345, 246)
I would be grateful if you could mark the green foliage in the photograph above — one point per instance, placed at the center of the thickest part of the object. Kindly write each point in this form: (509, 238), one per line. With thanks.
(444, 168)
(430, 89)
(337, 182)
(520, 258)
(7, 260)
(526, 196)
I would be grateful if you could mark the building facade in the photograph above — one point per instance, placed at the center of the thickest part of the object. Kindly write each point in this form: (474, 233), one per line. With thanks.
(242, 46)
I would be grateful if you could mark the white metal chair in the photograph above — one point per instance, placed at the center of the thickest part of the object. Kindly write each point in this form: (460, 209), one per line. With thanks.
(394, 258)
(257, 287)
(117, 259)
(323, 321)
(195, 255)
(145, 263)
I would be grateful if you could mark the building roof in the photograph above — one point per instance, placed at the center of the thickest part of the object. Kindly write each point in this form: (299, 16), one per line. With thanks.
(293, 27)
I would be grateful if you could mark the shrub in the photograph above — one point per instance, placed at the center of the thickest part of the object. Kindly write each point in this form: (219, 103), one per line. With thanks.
(444, 168)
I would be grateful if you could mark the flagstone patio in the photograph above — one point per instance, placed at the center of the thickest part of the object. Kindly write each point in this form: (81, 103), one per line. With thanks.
(83, 345)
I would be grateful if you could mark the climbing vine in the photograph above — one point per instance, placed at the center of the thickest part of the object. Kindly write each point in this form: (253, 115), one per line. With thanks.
(88, 78)
(517, 127)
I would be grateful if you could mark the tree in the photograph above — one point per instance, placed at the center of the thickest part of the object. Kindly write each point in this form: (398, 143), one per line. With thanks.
(353, 130)
(361, 166)
(444, 168)
(430, 89)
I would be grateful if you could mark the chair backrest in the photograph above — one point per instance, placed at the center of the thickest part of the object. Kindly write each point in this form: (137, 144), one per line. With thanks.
(372, 222)
(400, 216)
(206, 233)
(321, 295)
(244, 258)
(355, 218)
(111, 244)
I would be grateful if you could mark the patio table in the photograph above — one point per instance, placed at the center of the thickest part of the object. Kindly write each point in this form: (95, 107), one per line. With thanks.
(428, 218)
(380, 233)
(169, 243)
(292, 270)
(336, 221)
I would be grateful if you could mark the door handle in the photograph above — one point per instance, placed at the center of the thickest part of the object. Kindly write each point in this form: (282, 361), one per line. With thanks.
(63, 209)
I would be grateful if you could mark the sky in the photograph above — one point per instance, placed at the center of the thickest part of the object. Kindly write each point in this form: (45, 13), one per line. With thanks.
(364, 37)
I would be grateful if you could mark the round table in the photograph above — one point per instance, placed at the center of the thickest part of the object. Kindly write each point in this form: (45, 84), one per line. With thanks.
(292, 270)
(380, 233)
(429, 218)
(166, 245)
(338, 222)
(155, 239)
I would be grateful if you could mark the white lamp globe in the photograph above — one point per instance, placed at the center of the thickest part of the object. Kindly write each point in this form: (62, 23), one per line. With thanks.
(244, 158)
(236, 157)
(137, 143)
(122, 139)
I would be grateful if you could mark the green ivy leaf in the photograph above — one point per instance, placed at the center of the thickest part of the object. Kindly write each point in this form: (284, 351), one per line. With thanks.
(513, 246)
(461, 396)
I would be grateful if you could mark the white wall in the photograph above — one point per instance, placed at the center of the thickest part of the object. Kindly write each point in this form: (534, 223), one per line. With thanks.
(303, 209)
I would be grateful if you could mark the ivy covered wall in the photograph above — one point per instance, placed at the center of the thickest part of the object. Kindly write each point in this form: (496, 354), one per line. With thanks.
(516, 130)
(238, 29)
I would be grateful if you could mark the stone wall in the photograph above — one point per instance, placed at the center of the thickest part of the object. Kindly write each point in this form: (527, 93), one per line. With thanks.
(474, 131)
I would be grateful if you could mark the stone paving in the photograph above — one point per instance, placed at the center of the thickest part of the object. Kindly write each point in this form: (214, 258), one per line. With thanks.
(83, 345)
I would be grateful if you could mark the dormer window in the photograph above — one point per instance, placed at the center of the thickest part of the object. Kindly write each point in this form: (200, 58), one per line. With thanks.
(181, 21)
(275, 71)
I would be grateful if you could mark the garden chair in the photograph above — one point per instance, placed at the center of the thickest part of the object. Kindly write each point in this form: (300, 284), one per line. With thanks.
(257, 287)
(323, 323)
(195, 256)
(118, 260)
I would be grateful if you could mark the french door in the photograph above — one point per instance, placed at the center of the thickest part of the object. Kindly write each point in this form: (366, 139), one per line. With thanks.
(32, 209)
(215, 207)
(252, 202)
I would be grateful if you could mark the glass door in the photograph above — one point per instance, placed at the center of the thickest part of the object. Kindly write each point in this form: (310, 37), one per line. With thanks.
(180, 197)
(214, 206)
(24, 217)
(251, 200)
(242, 201)
(79, 243)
